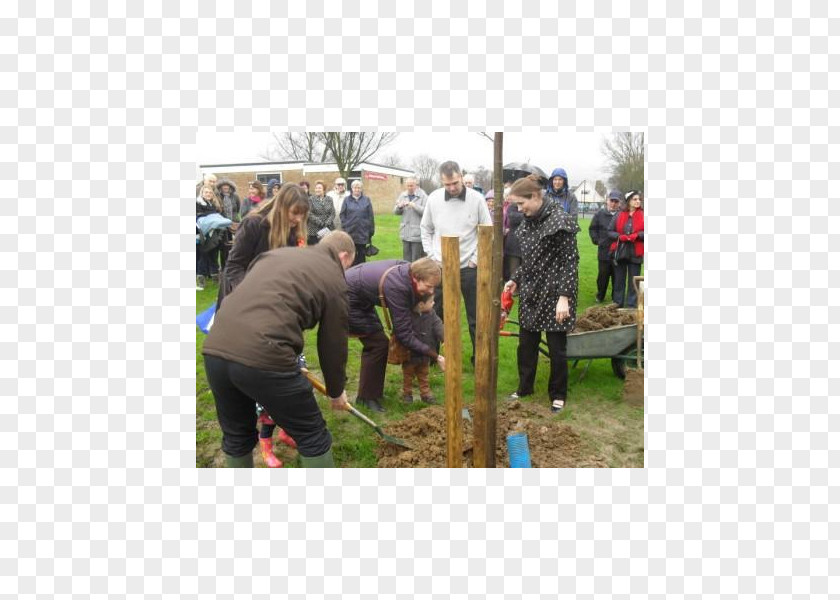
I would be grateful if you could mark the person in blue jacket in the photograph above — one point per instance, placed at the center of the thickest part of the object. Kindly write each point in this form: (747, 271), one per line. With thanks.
(557, 190)
(357, 220)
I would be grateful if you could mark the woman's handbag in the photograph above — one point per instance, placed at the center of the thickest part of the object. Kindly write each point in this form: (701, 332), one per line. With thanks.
(397, 353)
(623, 252)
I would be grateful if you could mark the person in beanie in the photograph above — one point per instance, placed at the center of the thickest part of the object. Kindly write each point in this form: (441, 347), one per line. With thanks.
(547, 282)
(598, 230)
(557, 190)
(627, 232)
(251, 353)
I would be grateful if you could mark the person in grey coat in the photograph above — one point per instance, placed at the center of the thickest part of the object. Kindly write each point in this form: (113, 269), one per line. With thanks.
(410, 204)
(599, 234)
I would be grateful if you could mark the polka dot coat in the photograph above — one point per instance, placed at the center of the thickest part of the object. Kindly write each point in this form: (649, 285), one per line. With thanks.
(549, 269)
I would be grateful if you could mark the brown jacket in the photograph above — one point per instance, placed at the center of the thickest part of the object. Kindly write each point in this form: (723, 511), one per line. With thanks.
(285, 292)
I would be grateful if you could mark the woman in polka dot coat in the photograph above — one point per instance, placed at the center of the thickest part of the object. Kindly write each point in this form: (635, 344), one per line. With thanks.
(547, 282)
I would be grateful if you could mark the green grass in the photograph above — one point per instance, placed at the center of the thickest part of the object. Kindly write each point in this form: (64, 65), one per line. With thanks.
(607, 425)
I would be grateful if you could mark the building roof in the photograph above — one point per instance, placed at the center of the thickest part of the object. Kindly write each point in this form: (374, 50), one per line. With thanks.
(306, 167)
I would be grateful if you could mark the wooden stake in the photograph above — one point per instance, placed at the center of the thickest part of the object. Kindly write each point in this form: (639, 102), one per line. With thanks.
(451, 251)
(484, 422)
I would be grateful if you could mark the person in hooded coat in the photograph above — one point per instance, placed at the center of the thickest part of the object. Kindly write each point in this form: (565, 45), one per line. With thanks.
(557, 190)
(229, 199)
(547, 282)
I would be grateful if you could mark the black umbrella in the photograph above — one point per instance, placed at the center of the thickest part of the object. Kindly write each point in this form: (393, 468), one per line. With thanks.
(513, 171)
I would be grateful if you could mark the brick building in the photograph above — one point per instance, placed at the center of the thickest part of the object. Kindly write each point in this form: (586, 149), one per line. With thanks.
(380, 183)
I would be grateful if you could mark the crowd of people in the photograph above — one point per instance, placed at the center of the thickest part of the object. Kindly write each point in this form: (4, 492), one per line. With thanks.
(294, 259)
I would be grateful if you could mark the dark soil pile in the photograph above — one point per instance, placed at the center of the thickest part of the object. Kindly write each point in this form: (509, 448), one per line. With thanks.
(603, 317)
(634, 387)
(552, 443)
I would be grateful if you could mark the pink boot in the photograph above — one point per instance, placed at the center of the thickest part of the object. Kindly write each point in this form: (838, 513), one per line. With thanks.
(285, 438)
(267, 451)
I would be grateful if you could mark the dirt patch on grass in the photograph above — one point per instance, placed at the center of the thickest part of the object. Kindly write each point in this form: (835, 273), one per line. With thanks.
(603, 317)
(634, 387)
(552, 443)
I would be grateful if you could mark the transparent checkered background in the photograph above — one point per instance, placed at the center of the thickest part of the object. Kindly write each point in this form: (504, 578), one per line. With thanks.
(101, 106)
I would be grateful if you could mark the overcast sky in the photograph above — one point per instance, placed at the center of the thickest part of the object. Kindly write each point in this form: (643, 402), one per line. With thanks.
(578, 153)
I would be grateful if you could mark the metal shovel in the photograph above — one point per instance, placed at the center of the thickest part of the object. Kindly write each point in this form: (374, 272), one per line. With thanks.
(316, 383)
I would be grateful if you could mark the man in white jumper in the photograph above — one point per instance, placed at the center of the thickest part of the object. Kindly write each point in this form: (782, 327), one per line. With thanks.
(458, 210)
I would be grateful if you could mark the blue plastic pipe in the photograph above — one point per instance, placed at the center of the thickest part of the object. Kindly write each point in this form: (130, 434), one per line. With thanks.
(520, 455)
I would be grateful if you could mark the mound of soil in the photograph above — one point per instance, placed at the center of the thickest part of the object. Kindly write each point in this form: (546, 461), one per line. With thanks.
(634, 387)
(603, 317)
(552, 443)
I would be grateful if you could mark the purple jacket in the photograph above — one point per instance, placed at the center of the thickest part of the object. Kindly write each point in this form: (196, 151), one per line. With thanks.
(363, 297)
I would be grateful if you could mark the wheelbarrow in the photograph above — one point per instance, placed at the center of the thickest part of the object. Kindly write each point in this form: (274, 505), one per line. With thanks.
(619, 344)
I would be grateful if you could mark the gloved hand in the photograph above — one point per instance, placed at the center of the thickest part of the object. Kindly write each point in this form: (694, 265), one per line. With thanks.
(632, 237)
(624, 238)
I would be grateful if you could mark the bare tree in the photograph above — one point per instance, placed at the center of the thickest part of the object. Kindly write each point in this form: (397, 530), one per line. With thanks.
(349, 150)
(392, 160)
(307, 147)
(625, 154)
(426, 170)
(483, 177)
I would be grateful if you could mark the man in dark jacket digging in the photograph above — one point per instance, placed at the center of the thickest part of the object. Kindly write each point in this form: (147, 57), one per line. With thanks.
(403, 285)
(251, 354)
(598, 229)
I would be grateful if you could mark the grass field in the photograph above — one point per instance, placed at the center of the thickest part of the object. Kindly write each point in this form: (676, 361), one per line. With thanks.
(595, 409)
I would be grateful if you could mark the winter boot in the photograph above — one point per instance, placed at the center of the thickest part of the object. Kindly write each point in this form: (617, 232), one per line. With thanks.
(267, 451)
(286, 438)
(240, 462)
(325, 461)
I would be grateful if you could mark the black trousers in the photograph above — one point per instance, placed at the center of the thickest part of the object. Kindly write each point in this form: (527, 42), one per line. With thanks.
(287, 397)
(624, 273)
(360, 254)
(605, 277)
(468, 292)
(527, 356)
(373, 365)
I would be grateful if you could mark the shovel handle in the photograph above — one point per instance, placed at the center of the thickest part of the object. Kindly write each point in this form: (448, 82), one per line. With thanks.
(357, 413)
(316, 383)
(636, 280)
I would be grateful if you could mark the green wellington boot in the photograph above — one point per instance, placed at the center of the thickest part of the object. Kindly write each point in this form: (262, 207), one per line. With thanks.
(240, 462)
(325, 461)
